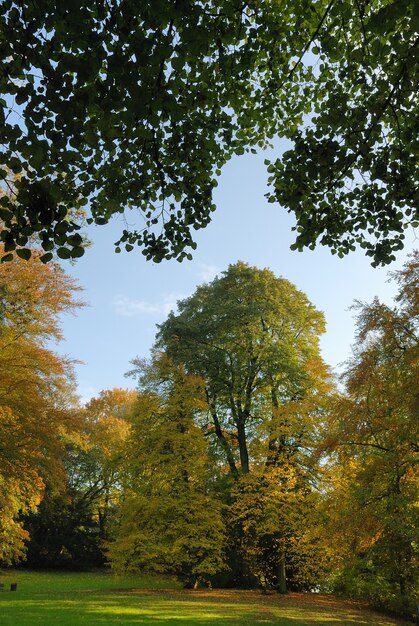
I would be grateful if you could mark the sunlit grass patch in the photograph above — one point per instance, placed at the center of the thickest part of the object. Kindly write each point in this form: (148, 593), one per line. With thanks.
(70, 599)
(39, 583)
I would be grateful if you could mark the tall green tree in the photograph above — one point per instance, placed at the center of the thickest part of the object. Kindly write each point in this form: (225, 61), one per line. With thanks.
(373, 506)
(173, 90)
(254, 340)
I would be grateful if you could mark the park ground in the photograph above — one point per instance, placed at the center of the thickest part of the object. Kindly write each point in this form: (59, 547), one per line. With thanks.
(99, 599)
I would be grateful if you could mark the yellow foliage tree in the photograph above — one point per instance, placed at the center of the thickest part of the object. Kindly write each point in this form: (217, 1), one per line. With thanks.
(170, 519)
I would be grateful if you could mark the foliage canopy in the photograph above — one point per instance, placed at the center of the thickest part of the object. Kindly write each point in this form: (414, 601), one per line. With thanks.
(171, 92)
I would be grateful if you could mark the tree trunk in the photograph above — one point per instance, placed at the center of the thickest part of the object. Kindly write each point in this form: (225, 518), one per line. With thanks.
(223, 442)
(244, 454)
(273, 452)
(282, 581)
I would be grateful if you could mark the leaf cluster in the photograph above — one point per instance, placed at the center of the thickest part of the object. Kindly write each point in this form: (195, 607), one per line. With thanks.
(171, 92)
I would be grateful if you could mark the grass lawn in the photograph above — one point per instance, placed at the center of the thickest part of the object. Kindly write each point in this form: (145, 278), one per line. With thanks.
(70, 599)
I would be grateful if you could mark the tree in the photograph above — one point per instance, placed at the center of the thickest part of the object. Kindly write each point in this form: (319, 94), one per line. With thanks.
(374, 435)
(37, 396)
(72, 522)
(351, 176)
(107, 428)
(171, 92)
(275, 518)
(170, 518)
(254, 340)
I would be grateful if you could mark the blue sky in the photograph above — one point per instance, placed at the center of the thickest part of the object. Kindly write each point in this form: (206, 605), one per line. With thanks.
(128, 295)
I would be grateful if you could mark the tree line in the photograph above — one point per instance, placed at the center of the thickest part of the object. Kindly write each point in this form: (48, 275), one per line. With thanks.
(238, 461)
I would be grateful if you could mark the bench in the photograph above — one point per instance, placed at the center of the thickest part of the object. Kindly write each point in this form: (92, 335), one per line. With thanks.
(13, 586)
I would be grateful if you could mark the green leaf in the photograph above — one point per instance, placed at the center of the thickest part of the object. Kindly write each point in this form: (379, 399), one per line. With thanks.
(77, 252)
(24, 253)
(45, 258)
(64, 253)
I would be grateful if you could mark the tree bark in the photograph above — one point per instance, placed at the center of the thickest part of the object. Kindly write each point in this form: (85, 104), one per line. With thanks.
(244, 454)
(282, 580)
(223, 441)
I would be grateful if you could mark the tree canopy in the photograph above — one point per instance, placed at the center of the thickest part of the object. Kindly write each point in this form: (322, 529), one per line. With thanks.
(253, 339)
(120, 105)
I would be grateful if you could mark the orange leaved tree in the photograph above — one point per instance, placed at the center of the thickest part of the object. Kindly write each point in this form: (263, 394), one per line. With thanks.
(36, 390)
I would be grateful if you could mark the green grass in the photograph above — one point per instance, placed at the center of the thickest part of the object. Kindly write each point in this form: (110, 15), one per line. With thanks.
(70, 599)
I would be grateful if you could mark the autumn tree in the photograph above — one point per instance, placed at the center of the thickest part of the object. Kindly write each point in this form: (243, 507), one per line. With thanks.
(37, 396)
(173, 90)
(373, 508)
(253, 339)
(274, 518)
(72, 523)
(170, 518)
(107, 429)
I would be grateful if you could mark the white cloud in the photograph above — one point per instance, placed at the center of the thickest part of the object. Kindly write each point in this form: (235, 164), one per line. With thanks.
(208, 272)
(128, 307)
